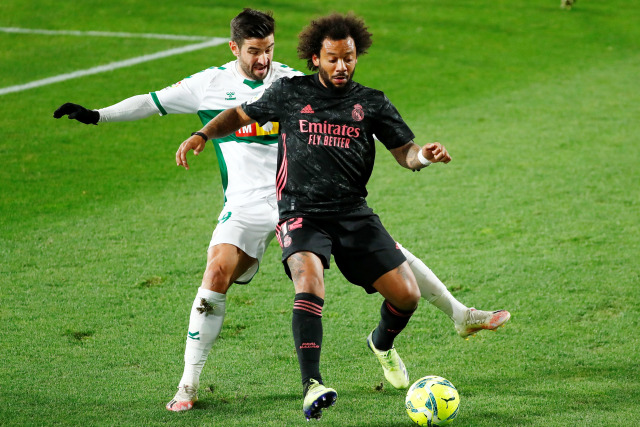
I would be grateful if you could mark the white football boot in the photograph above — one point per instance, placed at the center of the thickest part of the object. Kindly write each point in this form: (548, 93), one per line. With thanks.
(184, 399)
(477, 320)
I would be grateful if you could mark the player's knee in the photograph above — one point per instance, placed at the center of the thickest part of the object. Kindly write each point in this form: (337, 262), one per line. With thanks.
(408, 298)
(217, 277)
(411, 285)
(409, 302)
(310, 283)
(414, 298)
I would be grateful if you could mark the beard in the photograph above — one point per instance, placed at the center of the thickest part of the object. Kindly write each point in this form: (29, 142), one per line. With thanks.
(248, 70)
(329, 83)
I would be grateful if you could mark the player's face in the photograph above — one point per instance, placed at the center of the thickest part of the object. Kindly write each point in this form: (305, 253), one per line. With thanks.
(254, 57)
(337, 62)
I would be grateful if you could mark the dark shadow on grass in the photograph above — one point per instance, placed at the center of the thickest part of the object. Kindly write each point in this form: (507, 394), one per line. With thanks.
(226, 404)
(79, 337)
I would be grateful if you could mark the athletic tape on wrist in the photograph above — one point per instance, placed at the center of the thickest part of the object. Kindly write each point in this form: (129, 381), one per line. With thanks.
(425, 162)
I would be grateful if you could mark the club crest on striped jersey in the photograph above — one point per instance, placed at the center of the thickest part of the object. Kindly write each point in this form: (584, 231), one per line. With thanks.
(357, 113)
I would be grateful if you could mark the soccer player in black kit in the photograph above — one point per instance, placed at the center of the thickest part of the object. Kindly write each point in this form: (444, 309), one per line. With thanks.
(326, 156)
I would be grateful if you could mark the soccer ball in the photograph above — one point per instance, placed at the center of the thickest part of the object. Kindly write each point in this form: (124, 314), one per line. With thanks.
(432, 401)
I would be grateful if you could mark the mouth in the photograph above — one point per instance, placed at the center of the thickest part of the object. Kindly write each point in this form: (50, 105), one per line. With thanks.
(260, 68)
(339, 79)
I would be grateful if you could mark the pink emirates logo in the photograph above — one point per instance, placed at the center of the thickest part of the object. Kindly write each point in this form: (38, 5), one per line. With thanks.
(328, 134)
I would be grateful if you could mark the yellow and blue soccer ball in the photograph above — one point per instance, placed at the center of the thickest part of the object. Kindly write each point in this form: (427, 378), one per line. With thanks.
(432, 401)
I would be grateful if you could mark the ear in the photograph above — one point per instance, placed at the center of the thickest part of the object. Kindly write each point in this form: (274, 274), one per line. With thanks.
(316, 60)
(235, 49)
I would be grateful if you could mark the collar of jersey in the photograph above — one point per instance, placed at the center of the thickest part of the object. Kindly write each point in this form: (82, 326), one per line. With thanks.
(251, 83)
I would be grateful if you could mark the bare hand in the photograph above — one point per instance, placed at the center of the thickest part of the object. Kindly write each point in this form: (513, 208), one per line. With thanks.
(435, 152)
(195, 143)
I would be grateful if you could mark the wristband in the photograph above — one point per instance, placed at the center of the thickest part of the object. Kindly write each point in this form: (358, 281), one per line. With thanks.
(201, 135)
(422, 159)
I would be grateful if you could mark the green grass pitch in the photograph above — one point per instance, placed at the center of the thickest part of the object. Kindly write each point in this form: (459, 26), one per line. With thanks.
(103, 238)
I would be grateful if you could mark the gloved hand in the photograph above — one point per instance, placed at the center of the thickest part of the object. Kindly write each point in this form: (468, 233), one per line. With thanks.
(77, 112)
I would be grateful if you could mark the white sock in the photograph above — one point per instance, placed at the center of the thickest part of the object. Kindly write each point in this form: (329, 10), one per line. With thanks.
(433, 290)
(205, 323)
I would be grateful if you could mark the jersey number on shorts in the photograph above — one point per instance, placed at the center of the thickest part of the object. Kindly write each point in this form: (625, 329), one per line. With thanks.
(225, 217)
(295, 223)
(283, 229)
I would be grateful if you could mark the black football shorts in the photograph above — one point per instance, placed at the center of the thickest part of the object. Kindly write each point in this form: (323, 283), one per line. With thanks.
(362, 248)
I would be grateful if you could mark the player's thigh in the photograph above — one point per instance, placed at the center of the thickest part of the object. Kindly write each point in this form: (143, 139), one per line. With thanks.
(249, 229)
(303, 235)
(231, 257)
(225, 264)
(307, 273)
(399, 287)
(364, 251)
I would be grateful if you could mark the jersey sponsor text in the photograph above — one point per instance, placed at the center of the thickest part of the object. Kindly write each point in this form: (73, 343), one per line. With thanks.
(328, 134)
(256, 130)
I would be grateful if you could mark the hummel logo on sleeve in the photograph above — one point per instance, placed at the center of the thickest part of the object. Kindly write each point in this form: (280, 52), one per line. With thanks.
(307, 110)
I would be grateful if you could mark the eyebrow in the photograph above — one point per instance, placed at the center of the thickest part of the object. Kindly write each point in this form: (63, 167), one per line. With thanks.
(332, 53)
(258, 49)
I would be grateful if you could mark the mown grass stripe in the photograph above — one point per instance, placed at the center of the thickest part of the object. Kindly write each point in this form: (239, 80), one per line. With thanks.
(113, 66)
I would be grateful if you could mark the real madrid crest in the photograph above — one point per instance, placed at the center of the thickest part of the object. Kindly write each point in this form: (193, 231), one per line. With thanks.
(357, 113)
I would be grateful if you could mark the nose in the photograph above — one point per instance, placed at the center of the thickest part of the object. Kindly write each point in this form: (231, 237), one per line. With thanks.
(263, 59)
(341, 66)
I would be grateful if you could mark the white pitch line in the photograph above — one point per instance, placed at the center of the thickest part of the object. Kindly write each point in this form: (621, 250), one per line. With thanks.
(101, 34)
(113, 66)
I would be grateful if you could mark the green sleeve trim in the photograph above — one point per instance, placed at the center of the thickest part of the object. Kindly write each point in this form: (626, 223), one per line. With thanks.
(157, 102)
(222, 164)
(291, 68)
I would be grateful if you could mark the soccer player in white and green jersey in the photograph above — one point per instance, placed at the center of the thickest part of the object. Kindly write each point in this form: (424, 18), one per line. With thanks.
(247, 162)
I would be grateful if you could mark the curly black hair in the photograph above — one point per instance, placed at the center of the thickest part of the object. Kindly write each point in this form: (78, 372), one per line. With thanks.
(333, 27)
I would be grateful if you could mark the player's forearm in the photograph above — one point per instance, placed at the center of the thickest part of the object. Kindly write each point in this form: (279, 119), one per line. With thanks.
(407, 156)
(226, 122)
(414, 161)
(134, 108)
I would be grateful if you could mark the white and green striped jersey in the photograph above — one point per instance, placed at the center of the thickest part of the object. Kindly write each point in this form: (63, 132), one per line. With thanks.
(247, 159)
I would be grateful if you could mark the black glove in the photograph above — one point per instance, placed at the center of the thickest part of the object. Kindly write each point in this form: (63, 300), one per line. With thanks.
(77, 112)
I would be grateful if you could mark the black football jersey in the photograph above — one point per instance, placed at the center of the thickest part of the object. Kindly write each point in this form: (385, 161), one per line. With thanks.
(326, 148)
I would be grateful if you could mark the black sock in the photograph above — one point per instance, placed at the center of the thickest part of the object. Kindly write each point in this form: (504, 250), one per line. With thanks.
(307, 335)
(392, 322)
